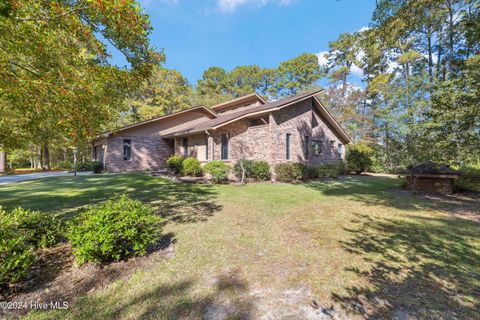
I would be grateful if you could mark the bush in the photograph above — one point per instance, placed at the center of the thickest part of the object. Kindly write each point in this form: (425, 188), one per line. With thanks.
(247, 165)
(114, 230)
(260, 170)
(331, 170)
(218, 170)
(97, 167)
(175, 163)
(83, 166)
(191, 167)
(21, 233)
(469, 179)
(359, 158)
(290, 172)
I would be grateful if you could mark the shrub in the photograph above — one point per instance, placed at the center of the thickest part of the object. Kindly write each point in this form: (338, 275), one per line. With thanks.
(114, 230)
(83, 166)
(290, 172)
(218, 170)
(260, 170)
(97, 167)
(175, 163)
(247, 165)
(331, 170)
(469, 179)
(21, 233)
(191, 167)
(359, 158)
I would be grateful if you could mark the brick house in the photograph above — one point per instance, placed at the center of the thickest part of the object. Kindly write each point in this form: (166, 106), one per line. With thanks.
(295, 129)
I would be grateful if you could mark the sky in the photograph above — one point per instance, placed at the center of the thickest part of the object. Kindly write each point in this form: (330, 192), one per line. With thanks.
(198, 34)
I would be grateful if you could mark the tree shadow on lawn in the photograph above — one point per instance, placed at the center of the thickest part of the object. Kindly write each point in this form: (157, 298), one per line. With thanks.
(229, 299)
(64, 196)
(421, 267)
(385, 191)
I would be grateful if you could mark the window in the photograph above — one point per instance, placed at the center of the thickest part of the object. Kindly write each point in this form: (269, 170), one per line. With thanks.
(185, 147)
(287, 146)
(206, 147)
(306, 147)
(332, 144)
(225, 146)
(258, 121)
(95, 153)
(127, 149)
(340, 150)
(316, 147)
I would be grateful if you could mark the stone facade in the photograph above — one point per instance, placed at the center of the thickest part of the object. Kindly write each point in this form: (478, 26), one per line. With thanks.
(256, 137)
(268, 142)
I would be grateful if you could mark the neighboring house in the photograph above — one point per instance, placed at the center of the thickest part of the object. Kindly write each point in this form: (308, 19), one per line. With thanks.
(295, 129)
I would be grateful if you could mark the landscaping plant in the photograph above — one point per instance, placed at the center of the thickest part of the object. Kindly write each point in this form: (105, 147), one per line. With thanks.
(359, 158)
(175, 163)
(191, 167)
(290, 172)
(218, 170)
(114, 230)
(260, 170)
(22, 232)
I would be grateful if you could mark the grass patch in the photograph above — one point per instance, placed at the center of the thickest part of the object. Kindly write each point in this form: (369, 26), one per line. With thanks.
(351, 245)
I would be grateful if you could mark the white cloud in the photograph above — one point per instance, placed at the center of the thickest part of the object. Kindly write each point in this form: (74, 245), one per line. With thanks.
(229, 6)
(322, 58)
(364, 28)
(357, 71)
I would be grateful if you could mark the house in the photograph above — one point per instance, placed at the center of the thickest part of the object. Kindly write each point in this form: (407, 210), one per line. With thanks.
(295, 129)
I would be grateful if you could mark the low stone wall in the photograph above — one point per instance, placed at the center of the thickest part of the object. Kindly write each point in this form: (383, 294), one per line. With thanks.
(430, 184)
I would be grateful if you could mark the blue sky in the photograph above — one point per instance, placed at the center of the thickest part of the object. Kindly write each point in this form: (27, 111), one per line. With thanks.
(203, 33)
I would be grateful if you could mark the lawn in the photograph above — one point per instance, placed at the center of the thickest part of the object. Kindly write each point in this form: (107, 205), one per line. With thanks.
(355, 247)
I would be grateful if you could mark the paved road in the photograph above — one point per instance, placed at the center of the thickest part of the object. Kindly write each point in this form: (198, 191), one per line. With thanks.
(32, 176)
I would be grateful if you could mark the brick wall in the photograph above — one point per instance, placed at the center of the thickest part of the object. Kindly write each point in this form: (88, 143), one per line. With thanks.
(430, 184)
(147, 153)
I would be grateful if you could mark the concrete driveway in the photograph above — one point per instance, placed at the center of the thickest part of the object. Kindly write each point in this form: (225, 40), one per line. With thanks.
(37, 175)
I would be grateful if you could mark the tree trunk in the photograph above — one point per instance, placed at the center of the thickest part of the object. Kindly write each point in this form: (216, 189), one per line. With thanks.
(46, 157)
(3, 161)
(39, 158)
(430, 58)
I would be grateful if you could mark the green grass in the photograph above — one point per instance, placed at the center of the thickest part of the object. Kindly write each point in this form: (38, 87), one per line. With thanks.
(350, 243)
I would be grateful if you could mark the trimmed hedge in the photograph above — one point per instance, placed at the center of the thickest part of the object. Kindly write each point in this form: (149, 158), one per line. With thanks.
(260, 170)
(255, 169)
(191, 167)
(218, 170)
(290, 172)
(114, 230)
(359, 158)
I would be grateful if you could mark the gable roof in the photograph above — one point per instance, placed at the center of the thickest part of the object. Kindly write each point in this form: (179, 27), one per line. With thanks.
(223, 120)
(159, 118)
(238, 102)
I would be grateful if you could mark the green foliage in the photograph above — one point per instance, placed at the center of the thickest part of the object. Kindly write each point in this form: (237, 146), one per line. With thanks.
(116, 229)
(325, 170)
(97, 167)
(469, 179)
(22, 232)
(358, 157)
(218, 170)
(247, 166)
(56, 79)
(290, 172)
(260, 170)
(175, 163)
(166, 91)
(256, 169)
(191, 167)
(297, 74)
